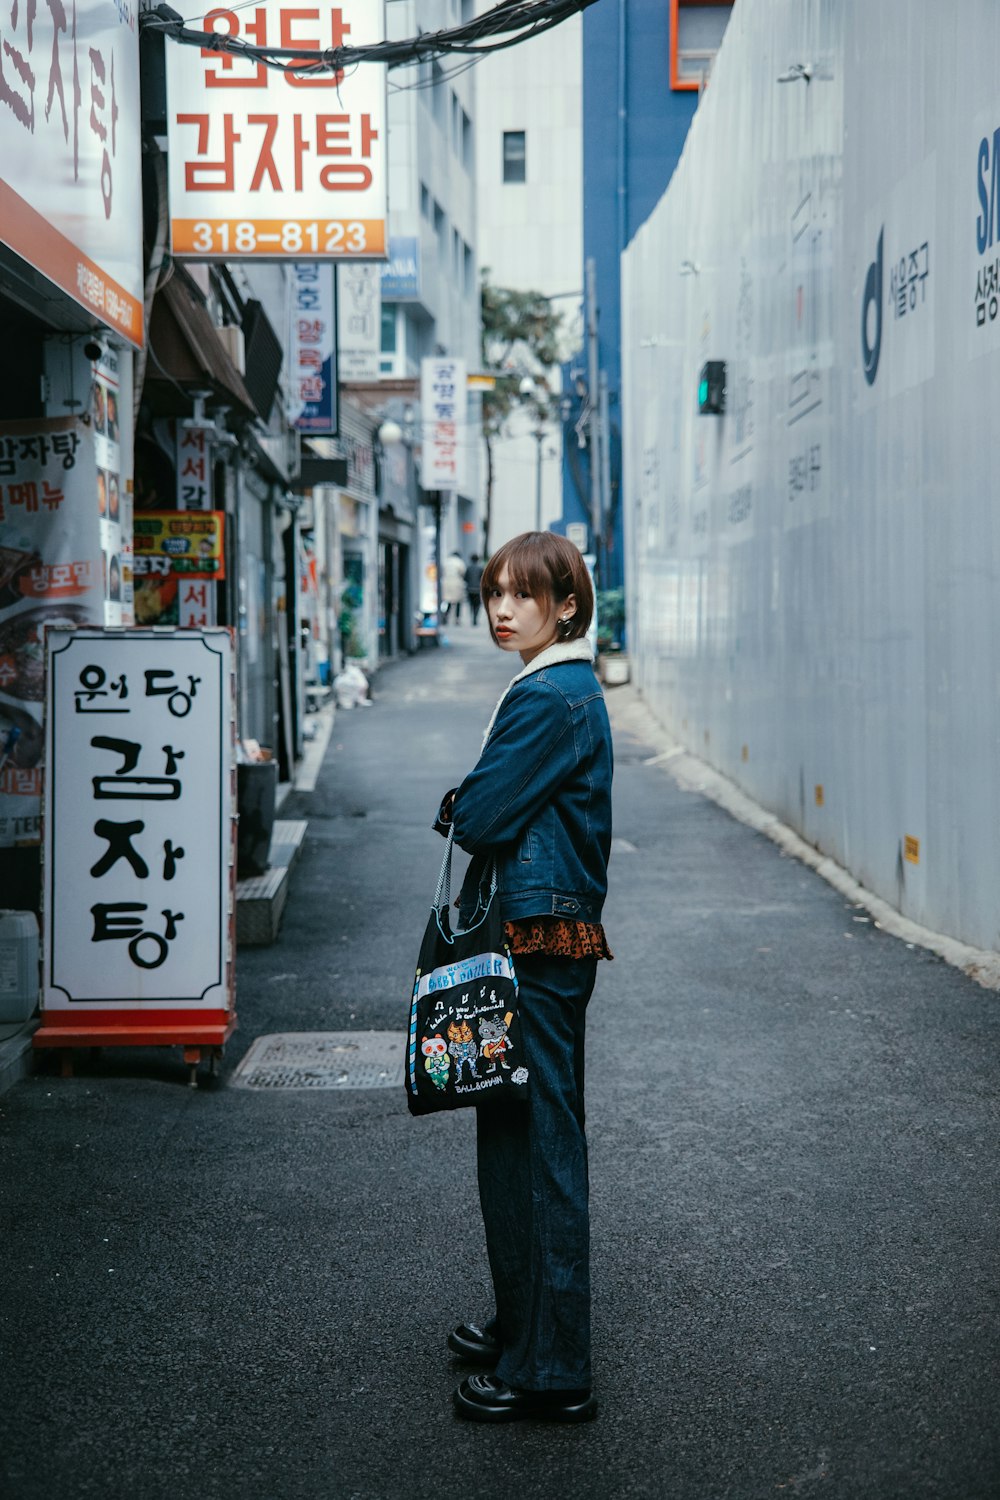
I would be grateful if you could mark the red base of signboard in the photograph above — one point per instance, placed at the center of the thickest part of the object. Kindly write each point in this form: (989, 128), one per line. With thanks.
(198, 1032)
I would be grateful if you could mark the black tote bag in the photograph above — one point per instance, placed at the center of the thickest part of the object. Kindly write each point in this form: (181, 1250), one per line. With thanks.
(464, 1040)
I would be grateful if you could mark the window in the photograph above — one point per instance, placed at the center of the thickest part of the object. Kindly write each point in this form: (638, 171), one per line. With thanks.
(696, 31)
(439, 95)
(513, 156)
(388, 328)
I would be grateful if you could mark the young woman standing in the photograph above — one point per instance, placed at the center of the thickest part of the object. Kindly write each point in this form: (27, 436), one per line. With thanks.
(539, 801)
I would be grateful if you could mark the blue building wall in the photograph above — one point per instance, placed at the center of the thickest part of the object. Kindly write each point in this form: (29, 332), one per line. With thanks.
(634, 128)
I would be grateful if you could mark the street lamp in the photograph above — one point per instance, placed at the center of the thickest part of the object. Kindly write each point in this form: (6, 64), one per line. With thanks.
(529, 389)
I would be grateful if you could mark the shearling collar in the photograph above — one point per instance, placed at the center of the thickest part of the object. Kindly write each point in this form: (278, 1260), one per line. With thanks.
(552, 656)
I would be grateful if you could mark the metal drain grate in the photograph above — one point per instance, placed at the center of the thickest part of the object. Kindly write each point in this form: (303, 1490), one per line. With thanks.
(324, 1060)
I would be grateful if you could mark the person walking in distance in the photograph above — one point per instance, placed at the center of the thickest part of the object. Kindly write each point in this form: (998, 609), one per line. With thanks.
(473, 580)
(453, 585)
(539, 801)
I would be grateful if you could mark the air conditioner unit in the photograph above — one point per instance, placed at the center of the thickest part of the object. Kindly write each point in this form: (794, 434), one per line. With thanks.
(232, 340)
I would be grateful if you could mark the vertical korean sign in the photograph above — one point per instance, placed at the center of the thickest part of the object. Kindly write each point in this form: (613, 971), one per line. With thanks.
(443, 412)
(276, 164)
(70, 180)
(312, 344)
(139, 807)
(359, 322)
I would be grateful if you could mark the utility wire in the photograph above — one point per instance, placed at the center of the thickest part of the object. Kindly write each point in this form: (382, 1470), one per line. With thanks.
(506, 25)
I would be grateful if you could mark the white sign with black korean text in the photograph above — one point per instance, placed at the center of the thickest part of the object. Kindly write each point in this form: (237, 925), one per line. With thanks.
(138, 819)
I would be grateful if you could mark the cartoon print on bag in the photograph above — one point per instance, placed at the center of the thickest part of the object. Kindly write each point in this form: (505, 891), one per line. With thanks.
(462, 1046)
(494, 1040)
(436, 1059)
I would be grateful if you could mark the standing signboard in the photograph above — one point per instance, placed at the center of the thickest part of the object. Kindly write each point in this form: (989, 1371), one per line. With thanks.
(139, 820)
(312, 347)
(276, 164)
(442, 409)
(70, 180)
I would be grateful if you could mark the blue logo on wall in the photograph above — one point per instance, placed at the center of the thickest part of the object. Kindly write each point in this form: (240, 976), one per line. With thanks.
(987, 172)
(870, 350)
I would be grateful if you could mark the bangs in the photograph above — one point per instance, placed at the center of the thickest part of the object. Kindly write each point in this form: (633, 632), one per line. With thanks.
(549, 568)
(527, 569)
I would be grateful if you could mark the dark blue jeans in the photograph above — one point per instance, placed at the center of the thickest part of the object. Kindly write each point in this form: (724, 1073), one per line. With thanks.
(533, 1186)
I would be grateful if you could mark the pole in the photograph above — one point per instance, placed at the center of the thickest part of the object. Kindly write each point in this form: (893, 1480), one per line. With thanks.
(605, 488)
(594, 422)
(539, 439)
(437, 550)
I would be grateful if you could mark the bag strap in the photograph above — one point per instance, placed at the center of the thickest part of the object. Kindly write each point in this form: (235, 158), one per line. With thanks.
(443, 890)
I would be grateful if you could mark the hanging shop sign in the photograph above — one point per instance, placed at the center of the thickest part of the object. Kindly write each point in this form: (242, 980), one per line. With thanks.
(273, 164)
(139, 837)
(401, 273)
(312, 343)
(359, 322)
(178, 555)
(443, 407)
(70, 180)
(192, 542)
(193, 456)
(53, 568)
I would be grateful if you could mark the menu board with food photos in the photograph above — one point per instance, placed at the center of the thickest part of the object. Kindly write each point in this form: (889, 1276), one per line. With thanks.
(113, 498)
(56, 552)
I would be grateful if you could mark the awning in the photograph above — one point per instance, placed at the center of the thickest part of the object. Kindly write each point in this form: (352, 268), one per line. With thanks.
(184, 349)
(317, 471)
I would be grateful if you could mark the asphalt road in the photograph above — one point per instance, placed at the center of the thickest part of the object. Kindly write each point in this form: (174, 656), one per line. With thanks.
(228, 1294)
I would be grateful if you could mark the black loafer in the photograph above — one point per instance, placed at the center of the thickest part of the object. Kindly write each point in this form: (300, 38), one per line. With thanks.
(474, 1344)
(484, 1398)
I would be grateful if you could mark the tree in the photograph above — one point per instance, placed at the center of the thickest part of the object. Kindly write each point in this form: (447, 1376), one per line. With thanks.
(521, 344)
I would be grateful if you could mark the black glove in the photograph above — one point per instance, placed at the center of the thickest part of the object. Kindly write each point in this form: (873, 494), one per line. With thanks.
(442, 823)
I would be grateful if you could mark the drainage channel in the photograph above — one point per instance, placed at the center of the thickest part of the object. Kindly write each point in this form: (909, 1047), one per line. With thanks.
(323, 1060)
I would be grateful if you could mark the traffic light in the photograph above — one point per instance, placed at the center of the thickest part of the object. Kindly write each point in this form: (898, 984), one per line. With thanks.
(712, 388)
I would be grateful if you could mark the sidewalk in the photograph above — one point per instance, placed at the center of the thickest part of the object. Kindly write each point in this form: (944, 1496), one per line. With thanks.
(237, 1294)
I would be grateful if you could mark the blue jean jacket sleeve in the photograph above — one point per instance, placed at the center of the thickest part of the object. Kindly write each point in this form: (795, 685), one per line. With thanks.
(528, 755)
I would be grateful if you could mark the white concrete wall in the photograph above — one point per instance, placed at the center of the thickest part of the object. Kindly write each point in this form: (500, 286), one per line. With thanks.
(531, 233)
(813, 577)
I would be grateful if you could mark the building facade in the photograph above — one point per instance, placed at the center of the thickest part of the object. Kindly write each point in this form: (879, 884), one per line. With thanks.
(529, 191)
(645, 63)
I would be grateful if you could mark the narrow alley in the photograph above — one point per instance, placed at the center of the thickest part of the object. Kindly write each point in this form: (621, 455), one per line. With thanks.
(238, 1292)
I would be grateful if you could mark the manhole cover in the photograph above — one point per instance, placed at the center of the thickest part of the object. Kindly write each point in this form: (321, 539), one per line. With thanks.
(324, 1060)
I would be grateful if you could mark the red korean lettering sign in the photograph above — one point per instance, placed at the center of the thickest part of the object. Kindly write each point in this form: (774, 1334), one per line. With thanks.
(274, 164)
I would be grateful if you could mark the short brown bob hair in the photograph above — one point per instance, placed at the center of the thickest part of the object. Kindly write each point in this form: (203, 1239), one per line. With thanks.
(547, 567)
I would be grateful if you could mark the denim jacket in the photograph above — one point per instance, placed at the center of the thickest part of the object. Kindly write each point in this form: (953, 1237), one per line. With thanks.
(539, 797)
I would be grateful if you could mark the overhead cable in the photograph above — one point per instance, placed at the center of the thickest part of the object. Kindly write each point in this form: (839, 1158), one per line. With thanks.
(506, 25)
